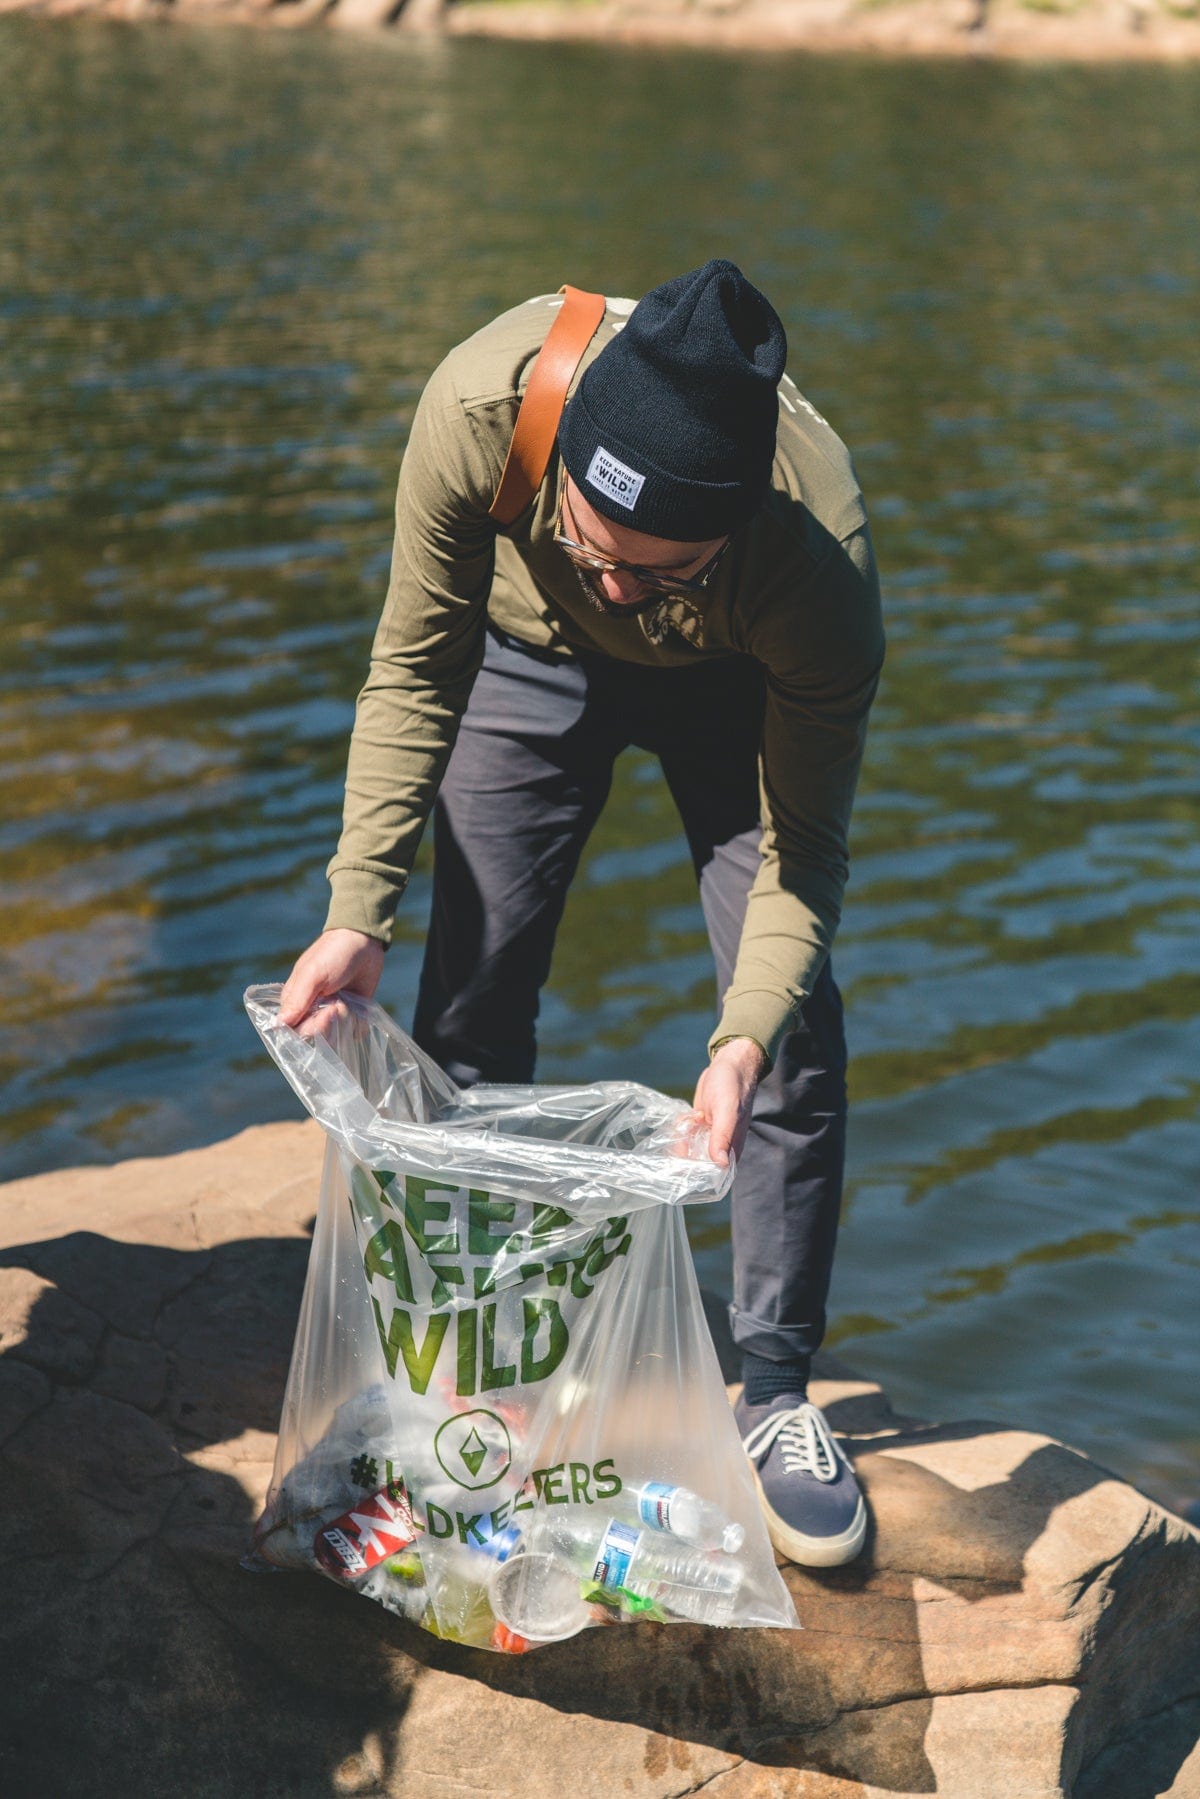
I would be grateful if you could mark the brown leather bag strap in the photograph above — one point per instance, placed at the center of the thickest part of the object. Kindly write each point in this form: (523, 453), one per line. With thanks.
(545, 395)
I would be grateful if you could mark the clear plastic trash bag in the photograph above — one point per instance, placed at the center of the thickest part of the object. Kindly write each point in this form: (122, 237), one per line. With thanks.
(504, 1418)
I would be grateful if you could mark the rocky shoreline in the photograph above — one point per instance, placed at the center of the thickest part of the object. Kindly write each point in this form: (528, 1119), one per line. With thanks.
(1021, 1624)
(1027, 30)
(1036, 30)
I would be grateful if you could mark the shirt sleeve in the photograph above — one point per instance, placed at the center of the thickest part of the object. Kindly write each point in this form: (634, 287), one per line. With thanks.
(822, 646)
(426, 654)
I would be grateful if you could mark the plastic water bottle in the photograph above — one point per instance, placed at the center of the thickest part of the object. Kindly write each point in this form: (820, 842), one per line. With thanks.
(685, 1581)
(679, 1512)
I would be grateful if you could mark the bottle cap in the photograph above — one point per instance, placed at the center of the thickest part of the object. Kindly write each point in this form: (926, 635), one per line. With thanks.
(733, 1538)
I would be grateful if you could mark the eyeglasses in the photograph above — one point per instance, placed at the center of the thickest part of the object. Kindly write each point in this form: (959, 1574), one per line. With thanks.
(653, 578)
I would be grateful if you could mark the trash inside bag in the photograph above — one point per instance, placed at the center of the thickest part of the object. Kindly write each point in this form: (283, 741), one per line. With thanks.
(504, 1418)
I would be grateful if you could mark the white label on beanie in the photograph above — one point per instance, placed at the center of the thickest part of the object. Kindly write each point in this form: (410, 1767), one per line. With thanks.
(615, 479)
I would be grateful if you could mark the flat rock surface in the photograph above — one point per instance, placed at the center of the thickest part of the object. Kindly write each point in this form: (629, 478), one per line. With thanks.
(1021, 1624)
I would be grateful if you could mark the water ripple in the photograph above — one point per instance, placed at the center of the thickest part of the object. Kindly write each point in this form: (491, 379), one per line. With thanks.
(211, 343)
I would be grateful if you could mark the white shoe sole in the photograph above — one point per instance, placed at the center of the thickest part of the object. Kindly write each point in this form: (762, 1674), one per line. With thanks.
(813, 1552)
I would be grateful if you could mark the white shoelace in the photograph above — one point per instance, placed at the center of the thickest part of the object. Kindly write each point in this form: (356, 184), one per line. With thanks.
(804, 1442)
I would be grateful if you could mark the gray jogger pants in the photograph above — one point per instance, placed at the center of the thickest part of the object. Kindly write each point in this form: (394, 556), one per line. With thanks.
(526, 782)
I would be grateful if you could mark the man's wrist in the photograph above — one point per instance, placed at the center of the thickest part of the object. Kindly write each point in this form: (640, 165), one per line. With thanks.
(354, 930)
(746, 1045)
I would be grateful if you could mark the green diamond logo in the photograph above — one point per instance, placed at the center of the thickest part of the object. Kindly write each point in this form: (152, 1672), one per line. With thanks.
(473, 1449)
(473, 1452)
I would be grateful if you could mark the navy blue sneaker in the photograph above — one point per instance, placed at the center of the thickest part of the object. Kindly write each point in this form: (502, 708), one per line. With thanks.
(810, 1498)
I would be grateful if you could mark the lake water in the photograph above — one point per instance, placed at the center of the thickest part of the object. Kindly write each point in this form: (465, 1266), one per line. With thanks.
(227, 262)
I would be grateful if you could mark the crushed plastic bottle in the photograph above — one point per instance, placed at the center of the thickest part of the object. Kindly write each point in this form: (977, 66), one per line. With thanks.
(678, 1512)
(685, 1582)
(637, 1572)
(459, 1608)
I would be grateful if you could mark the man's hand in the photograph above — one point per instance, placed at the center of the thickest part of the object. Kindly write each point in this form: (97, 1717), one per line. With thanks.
(725, 1094)
(339, 960)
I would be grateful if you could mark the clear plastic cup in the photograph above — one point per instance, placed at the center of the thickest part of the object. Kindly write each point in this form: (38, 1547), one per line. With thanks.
(537, 1596)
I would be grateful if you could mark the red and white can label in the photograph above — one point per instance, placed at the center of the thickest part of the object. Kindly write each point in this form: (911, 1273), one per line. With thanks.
(362, 1537)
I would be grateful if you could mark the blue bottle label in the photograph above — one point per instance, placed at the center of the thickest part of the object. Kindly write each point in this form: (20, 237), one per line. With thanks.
(654, 1506)
(616, 1553)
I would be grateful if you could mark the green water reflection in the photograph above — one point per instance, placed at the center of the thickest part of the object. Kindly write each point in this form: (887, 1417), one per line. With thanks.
(227, 262)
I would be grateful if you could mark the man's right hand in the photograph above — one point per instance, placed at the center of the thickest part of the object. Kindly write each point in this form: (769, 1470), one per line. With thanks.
(339, 961)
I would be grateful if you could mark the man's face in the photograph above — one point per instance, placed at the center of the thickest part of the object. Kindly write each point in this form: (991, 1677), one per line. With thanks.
(619, 590)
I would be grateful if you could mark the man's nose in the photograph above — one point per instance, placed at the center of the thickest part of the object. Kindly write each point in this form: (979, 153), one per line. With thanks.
(618, 585)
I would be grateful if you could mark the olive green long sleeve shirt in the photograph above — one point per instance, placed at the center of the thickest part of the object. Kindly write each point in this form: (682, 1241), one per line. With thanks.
(797, 590)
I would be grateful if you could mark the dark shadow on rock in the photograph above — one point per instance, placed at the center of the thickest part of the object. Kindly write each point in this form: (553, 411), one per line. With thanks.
(147, 1658)
(1144, 1764)
(1142, 1698)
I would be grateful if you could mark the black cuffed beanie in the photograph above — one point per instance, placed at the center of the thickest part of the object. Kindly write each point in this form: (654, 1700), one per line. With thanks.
(672, 429)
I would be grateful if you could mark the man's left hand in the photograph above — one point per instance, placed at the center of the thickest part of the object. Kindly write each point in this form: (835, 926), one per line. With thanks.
(725, 1093)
